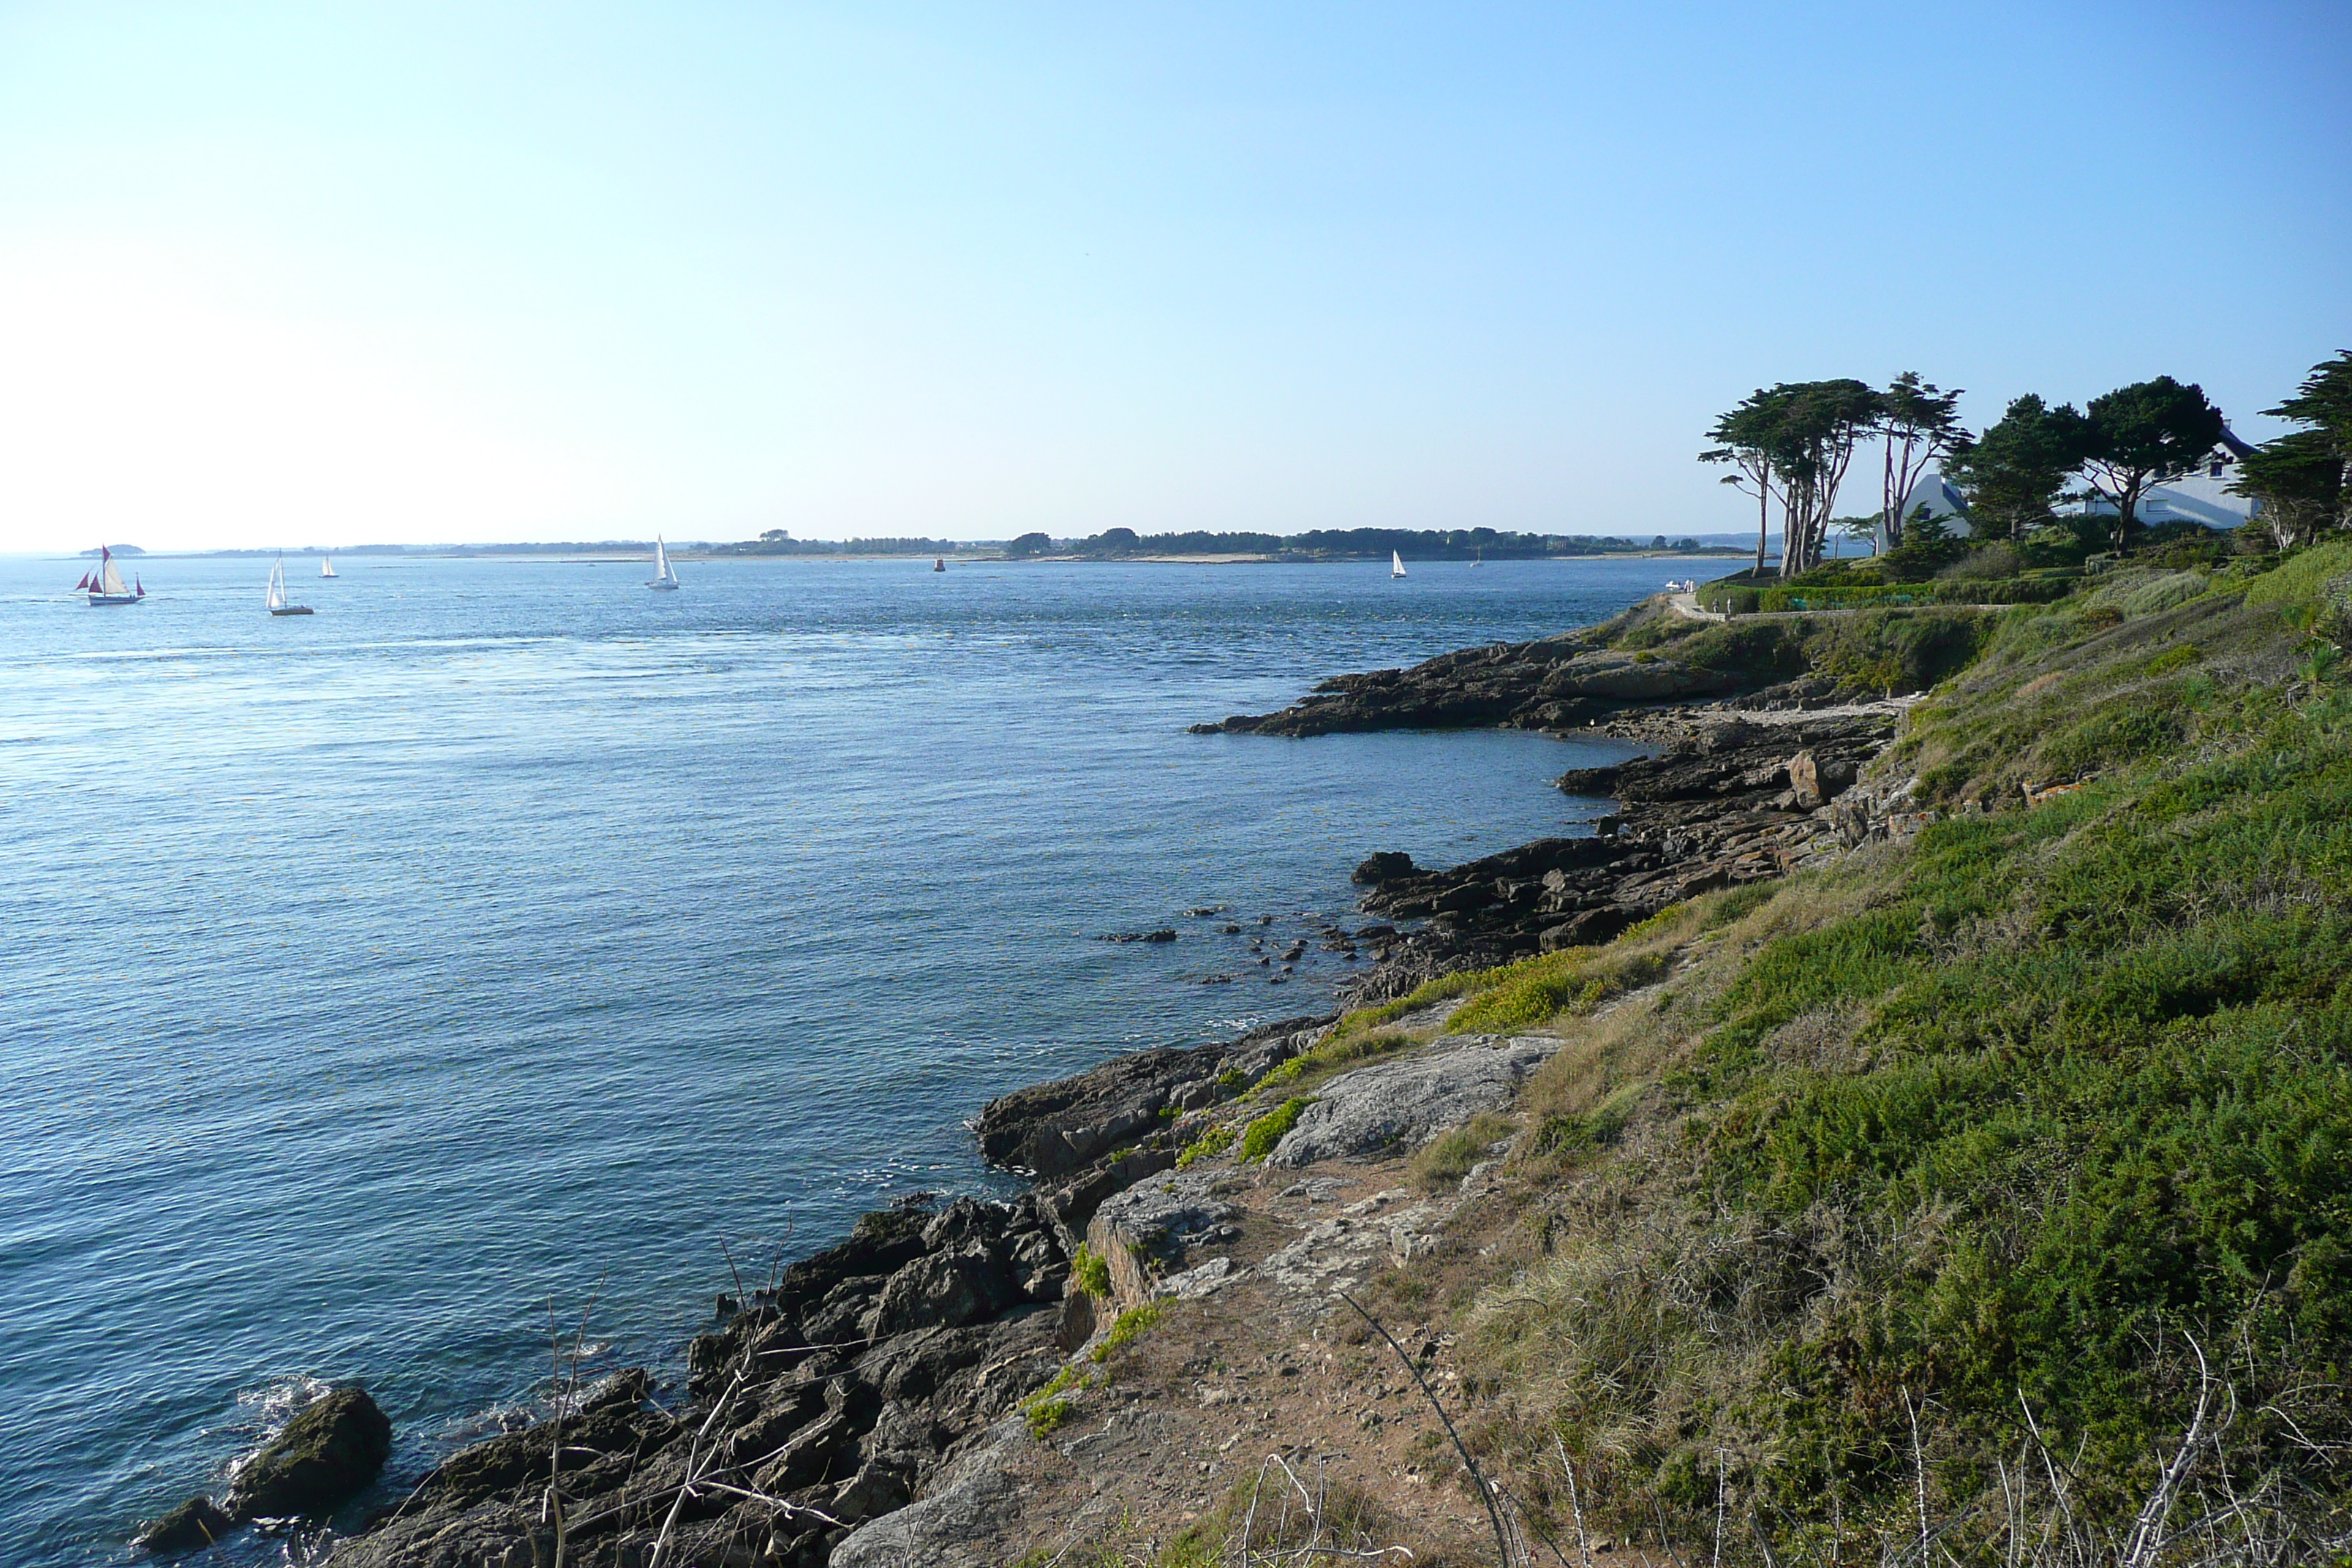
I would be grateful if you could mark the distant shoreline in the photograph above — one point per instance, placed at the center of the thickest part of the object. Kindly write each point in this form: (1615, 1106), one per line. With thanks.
(625, 553)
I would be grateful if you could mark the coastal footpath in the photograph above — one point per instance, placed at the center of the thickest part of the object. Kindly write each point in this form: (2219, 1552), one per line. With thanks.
(1917, 1122)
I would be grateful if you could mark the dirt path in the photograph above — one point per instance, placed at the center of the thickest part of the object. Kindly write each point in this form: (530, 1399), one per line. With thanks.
(1254, 1382)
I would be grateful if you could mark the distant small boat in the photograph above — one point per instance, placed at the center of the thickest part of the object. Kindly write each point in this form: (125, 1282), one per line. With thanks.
(1478, 560)
(104, 583)
(664, 575)
(326, 565)
(277, 600)
(1396, 564)
(941, 564)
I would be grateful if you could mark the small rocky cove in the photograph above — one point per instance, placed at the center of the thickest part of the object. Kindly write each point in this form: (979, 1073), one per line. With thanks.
(865, 1406)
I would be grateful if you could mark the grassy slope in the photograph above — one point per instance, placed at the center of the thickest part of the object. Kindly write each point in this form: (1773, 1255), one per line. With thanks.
(2014, 1119)
(1866, 651)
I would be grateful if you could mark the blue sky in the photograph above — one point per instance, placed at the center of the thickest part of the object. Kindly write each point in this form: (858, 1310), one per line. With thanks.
(294, 274)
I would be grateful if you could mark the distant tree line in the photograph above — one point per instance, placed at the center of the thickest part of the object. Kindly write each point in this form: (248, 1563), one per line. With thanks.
(779, 541)
(1790, 447)
(1345, 543)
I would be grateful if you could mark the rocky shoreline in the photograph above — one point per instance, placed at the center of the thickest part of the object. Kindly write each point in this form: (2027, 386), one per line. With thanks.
(846, 1413)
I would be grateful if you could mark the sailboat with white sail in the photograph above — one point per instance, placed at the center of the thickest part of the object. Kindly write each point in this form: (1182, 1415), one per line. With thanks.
(326, 565)
(664, 575)
(1396, 564)
(277, 600)
(104, 583)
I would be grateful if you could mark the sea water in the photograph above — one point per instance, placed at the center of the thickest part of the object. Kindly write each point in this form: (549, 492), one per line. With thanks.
(505, 940)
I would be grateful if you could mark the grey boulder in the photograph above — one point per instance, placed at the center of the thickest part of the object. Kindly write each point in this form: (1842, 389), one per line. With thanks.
(1403, 1104)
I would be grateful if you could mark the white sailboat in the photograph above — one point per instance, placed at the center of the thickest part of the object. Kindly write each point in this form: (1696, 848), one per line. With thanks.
(276, 599)
(664, 575)
(326, 565)
(104, 583)
(1396, 564)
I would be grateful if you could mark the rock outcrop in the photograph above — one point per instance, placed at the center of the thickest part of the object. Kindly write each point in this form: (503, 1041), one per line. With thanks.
(1562, 682)
(319, 1460)
(1727, 799)
(1056, 1128)
(1395, 1106)
(332, 1447)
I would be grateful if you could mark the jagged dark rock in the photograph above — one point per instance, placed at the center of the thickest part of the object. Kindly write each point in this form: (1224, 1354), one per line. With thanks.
(946, 1289)
(332, 1447)
(1554, 683)
(1724, 801)
(1055, 1129)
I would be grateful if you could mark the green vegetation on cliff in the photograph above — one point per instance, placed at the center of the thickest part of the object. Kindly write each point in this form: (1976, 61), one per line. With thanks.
(1941, 1187)
(1868, 652)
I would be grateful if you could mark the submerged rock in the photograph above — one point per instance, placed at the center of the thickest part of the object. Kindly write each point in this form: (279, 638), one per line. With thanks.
(197, 1522)
(333, 1447)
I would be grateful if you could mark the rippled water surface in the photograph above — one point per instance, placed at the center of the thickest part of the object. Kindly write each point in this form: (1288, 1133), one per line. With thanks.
(504, 931)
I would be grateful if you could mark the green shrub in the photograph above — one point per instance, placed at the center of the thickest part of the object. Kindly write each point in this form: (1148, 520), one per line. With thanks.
(1127, 1326)
(1759, 651)
(1050, 1406)
(1260, 1137)
(1989, 561)
(1538, 989)
(1207, 1146)
(1284, 1072)
(1090, 1272)
(1731, 908)
(1992, 1122)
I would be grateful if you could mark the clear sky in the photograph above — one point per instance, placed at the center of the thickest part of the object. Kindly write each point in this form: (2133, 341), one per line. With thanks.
(337, 273)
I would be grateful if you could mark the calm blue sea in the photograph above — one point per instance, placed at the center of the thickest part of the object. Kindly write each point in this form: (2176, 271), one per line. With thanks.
(505, 933)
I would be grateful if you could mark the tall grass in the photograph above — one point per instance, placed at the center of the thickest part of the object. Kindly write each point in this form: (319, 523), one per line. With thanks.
(1911, 1176)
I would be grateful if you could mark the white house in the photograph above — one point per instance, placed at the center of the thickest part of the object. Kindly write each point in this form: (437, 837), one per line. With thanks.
(2201, 496)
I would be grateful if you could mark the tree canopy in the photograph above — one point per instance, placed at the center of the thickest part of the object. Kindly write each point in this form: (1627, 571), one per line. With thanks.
(2143, 435)
(1794, 444)
(2299, 479)
(2012, 476)
(2323, 402)
(1918, 423)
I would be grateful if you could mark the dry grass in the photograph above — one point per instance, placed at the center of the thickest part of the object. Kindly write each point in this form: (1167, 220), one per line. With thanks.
(1445, 1159)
